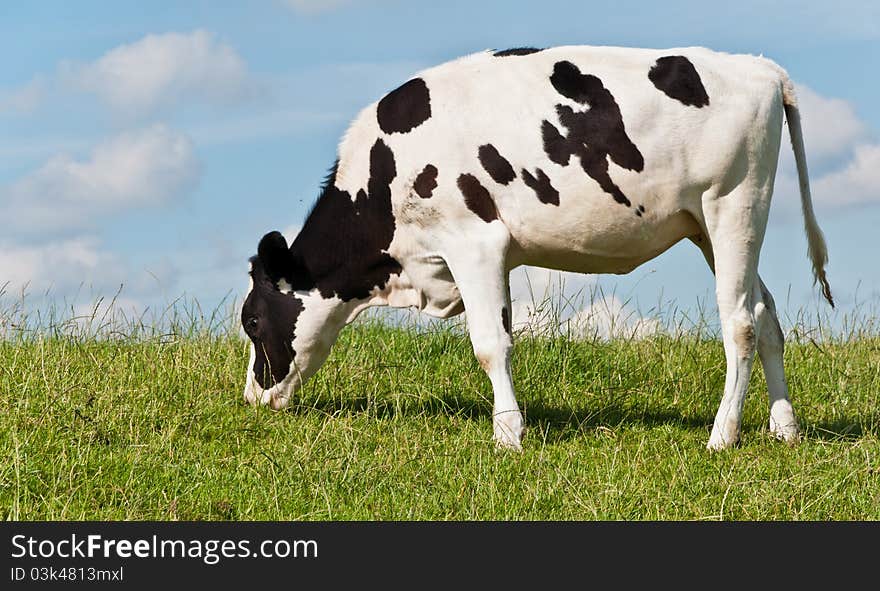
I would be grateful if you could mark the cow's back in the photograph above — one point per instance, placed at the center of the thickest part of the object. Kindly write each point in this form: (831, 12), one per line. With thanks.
(591, 155)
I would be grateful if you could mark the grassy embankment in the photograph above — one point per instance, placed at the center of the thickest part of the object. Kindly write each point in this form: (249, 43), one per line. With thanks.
(397, 426)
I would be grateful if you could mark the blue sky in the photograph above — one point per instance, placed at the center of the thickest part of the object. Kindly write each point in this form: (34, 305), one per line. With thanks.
(150, 145)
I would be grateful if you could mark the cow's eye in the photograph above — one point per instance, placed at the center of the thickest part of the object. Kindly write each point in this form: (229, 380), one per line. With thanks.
(251, 324)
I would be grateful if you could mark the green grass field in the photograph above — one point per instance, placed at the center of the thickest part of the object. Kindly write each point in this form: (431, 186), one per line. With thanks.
(397, 426)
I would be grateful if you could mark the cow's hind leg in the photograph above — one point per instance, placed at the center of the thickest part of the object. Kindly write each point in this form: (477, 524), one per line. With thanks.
(771, 345)
(735, 223)
(749, 323)
(482, 279)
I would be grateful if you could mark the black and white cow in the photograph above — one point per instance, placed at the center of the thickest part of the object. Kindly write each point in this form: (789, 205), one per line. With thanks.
(586, 159)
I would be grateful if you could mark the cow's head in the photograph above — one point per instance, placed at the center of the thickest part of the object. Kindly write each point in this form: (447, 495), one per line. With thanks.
(291, 327)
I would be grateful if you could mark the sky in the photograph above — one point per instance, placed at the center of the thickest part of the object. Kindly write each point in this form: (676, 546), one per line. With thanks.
(146, 147)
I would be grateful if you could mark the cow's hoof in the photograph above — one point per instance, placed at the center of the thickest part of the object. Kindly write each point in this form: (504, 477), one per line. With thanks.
(719, 442)
(718, 445)
(279, 402)
(725, 434)
(508, 427)
(508, 445)
(785, 430)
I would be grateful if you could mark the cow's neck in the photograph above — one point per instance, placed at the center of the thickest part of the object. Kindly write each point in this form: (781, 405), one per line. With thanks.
(398, 292)
(349, 277)
(342, 249)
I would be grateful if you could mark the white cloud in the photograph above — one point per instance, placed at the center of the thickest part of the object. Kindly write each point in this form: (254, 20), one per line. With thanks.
(843, 160)
(79, 285)
(60, 266)
(18, 149)
(857, 182)
(539, 283)
(105, 315)
(831, 125)
(545, 301)
(541, 298)
(607, 318)
(145, 167)
(72, 284)
(161, 70)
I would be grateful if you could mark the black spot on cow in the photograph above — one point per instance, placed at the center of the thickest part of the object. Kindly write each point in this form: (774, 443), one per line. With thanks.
(477, 198)
(341, 247)
(676, 76)
(269, 316)
(545, 191)
(555, 144)
(496, 165)
(405, 107)
(595, 134)
(505, 319)
(382, 171)
(516, 51)
(426, 182)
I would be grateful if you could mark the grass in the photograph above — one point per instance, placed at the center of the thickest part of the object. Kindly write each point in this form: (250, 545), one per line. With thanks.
(397, 426)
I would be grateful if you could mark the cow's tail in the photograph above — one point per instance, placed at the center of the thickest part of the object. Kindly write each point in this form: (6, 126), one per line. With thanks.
(817, 249)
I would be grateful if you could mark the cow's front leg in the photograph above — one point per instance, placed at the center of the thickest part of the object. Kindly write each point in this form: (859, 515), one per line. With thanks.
(493, 348)
(483, 283)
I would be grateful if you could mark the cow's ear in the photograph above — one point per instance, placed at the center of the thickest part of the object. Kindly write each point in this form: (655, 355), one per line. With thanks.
(275, 256)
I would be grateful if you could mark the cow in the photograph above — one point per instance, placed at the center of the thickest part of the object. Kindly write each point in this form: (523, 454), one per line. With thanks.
(579, 158)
